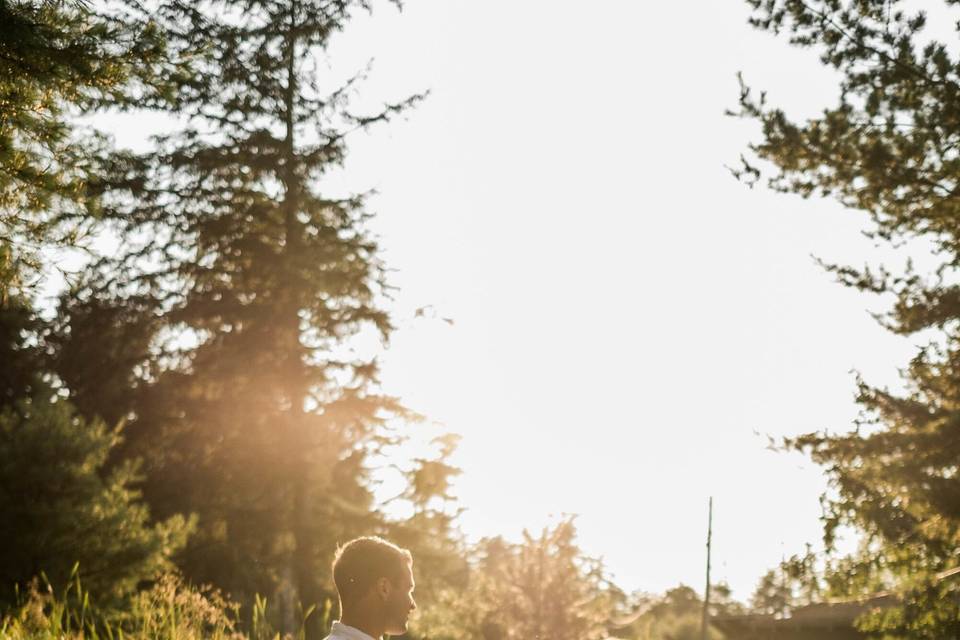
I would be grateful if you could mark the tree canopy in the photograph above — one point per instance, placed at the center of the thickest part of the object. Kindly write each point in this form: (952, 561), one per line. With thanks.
(544, 586)
(219, 329)
(887, 147)
(229, 307)
(58, 59)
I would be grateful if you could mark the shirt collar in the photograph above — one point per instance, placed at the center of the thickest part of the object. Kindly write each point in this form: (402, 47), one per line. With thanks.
(346, 631)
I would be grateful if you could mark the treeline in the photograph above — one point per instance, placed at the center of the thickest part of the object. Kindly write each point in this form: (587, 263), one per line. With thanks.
(193, 401)
(542, 586)
(192, 411)
(188, 432)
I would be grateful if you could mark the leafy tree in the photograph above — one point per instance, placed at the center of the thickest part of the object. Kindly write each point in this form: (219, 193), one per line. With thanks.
(773, 594)
(797, 581)
(58, 511)
(223, 322)
(888, 147)
(543, 587)
(678, 614)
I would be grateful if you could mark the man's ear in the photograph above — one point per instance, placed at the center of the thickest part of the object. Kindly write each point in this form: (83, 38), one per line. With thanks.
(384, 587)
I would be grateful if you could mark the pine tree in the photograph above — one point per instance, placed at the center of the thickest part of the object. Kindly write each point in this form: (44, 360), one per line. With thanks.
(234, 298)
(60, 513)
(58, 59)
(888, 148)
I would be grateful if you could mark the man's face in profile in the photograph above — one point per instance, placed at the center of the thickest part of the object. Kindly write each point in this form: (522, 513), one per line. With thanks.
(400, 603)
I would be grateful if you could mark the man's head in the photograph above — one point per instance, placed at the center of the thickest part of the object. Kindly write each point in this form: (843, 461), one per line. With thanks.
(374, 579)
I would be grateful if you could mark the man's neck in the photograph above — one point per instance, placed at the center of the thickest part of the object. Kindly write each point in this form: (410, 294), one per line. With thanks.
(372, 629)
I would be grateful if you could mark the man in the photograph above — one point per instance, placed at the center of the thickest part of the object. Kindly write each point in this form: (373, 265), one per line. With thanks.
(374, 580)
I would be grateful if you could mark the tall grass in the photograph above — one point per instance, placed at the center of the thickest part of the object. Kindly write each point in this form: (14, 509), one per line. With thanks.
(169, 610)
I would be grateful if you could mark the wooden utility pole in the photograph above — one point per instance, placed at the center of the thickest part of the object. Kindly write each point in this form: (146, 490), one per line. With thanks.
(705, 621)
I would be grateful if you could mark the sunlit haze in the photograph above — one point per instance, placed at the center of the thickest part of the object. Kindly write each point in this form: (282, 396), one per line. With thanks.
(629, 324)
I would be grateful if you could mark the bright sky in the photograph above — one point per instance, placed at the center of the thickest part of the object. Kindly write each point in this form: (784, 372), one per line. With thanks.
(629, 321)
(628, 317)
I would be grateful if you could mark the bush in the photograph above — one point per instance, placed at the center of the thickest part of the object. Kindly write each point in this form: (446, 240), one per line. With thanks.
(62, 507)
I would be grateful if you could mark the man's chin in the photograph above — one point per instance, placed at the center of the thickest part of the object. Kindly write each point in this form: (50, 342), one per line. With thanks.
(400, 629)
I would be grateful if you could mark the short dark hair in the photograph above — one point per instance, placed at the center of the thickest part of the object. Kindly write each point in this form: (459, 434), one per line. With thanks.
(358, 564)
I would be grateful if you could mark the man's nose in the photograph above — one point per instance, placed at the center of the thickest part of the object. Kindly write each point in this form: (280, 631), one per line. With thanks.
(413, 604)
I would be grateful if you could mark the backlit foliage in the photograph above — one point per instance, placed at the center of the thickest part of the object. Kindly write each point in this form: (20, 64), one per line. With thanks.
(888, 147)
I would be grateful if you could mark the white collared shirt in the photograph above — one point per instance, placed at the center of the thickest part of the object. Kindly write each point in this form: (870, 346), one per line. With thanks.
(340, 631)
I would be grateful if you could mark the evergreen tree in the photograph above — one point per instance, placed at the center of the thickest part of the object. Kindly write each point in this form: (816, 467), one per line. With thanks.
(56, 57)
(232, 301)
(59, 511)
(21, 359)
(60, 507)
(888, 148)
